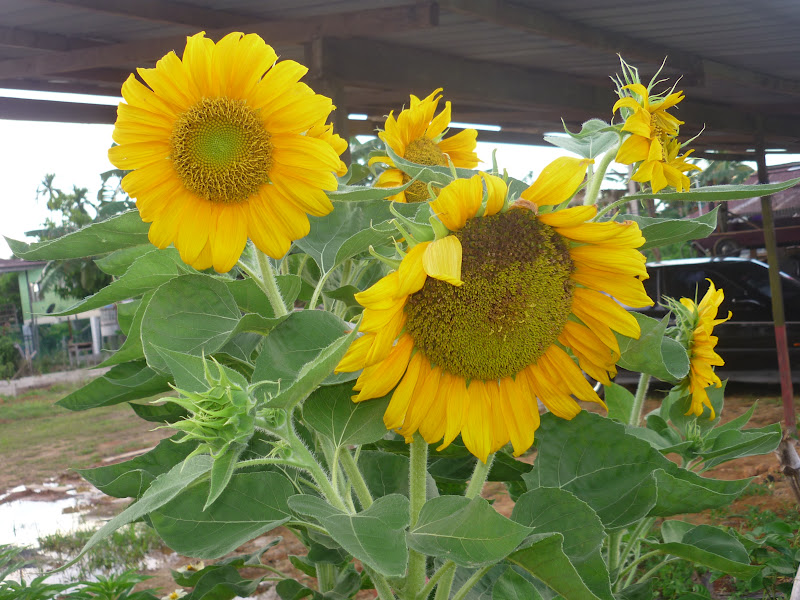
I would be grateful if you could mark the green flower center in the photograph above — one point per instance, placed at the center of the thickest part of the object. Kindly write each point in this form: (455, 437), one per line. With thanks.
(516, 299)
(221, 151)
(422, 151)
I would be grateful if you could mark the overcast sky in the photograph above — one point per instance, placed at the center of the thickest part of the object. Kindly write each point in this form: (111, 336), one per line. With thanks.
(77, 154)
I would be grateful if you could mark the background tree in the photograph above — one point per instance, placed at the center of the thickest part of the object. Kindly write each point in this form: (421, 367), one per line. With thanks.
(71, 211)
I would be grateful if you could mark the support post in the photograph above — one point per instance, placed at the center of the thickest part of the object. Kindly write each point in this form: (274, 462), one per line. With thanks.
(778, 316)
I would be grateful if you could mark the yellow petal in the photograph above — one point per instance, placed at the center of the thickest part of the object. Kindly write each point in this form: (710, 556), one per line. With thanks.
(411, 274)
(558, 181)
(496, 190)
(378, 380)
(395, 413)
(458, 202)
(442, 260)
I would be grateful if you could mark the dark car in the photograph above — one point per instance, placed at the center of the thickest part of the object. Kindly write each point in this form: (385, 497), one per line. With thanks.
(747, 341)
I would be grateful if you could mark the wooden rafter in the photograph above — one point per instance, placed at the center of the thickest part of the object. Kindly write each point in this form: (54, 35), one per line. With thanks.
(373, 64)
(159, 11)
(35, 40)
(534, 20)
(290, 31)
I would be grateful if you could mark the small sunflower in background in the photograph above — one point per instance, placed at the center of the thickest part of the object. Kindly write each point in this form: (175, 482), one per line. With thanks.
(509, 303)
(652, 143)
(226, 144)
(696, 324)
(418, 136)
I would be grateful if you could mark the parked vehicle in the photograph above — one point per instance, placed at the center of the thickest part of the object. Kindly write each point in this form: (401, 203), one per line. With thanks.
(747, 341)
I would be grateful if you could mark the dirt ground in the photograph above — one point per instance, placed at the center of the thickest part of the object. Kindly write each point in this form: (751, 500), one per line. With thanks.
(36, 462)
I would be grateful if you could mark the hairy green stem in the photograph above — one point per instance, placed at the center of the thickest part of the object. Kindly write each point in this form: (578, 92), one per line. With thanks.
(355, 477)
(381, 585)
(417, 480)
(318, 290)
(479, 476)
(634, 538)
(655, 569)
(310, 464)
(426, 591)
(614, 539)
(638, 400)
(470, 583)
(445, 584)
(326, 577)
(638, 561)
(593, 187)
(270, 285)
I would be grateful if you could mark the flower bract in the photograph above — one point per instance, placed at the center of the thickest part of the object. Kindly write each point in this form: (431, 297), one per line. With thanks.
(702, 357)
(225, 144)
(417, 135)
(513, 305)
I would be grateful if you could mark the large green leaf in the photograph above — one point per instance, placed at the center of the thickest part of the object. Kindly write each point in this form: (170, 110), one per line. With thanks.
(222, 583)
(619, 402)
(554, 510)
(189, 371)
(251, 504)
(426, 173)
(707, 545)
(147, 273)
(168, 412)
(623, 478)
(131, 478)
(118, 232)
(653, 353)
(360, 193)
(131, 348)
(732, 444)
(718, 193)
(193, 314)
(165, 487)
(350, 229)
(299, 355)
(120, 260)
(659, 231)
(513, 586)
(125, 382)
(387, 474)
(374, 536)
(544, 558)
(331, 412)
(469, 532)
(594, 138)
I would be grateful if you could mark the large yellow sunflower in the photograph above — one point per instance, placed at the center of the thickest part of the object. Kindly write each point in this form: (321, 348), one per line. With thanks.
(473, 327)
(417, 136)
(225, 144)
(702, 356)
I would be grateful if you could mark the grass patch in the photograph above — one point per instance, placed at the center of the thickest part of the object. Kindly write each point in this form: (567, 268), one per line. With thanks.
(42, 440)
(124, 549)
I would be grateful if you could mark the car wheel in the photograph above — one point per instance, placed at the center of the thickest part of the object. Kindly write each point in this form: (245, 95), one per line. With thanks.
(727, 247)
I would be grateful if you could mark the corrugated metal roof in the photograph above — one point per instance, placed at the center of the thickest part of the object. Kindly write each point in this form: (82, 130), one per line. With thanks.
(522, 63)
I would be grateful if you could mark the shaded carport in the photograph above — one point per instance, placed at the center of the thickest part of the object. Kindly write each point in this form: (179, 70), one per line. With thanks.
(521, 66)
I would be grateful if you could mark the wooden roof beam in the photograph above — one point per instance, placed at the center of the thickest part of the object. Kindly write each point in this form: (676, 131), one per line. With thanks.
(546, 24)
(372, 64)
(35, 40)
(293, 31)
(60, 112)
(159, 11)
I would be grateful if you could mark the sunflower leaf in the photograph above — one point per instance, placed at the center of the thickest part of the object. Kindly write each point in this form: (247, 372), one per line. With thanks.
(129, 381)
(709, 546)
(374, 536)
(595, 138)
(719, 193)
(428, 173)
(149, 272)
(330, 411)
(122, 231)
(653, 353)
(659, 232)
(469, 532)
(250, 505)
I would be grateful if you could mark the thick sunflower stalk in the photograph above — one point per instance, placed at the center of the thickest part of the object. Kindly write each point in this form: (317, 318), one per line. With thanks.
(483, 314)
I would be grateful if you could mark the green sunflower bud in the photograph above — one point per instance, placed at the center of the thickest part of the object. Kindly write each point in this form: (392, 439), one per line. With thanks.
(222, 415)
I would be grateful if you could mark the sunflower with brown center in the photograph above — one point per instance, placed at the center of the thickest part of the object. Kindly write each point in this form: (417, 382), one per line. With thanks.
(225, 144)
(473, 327)
(418, 136)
